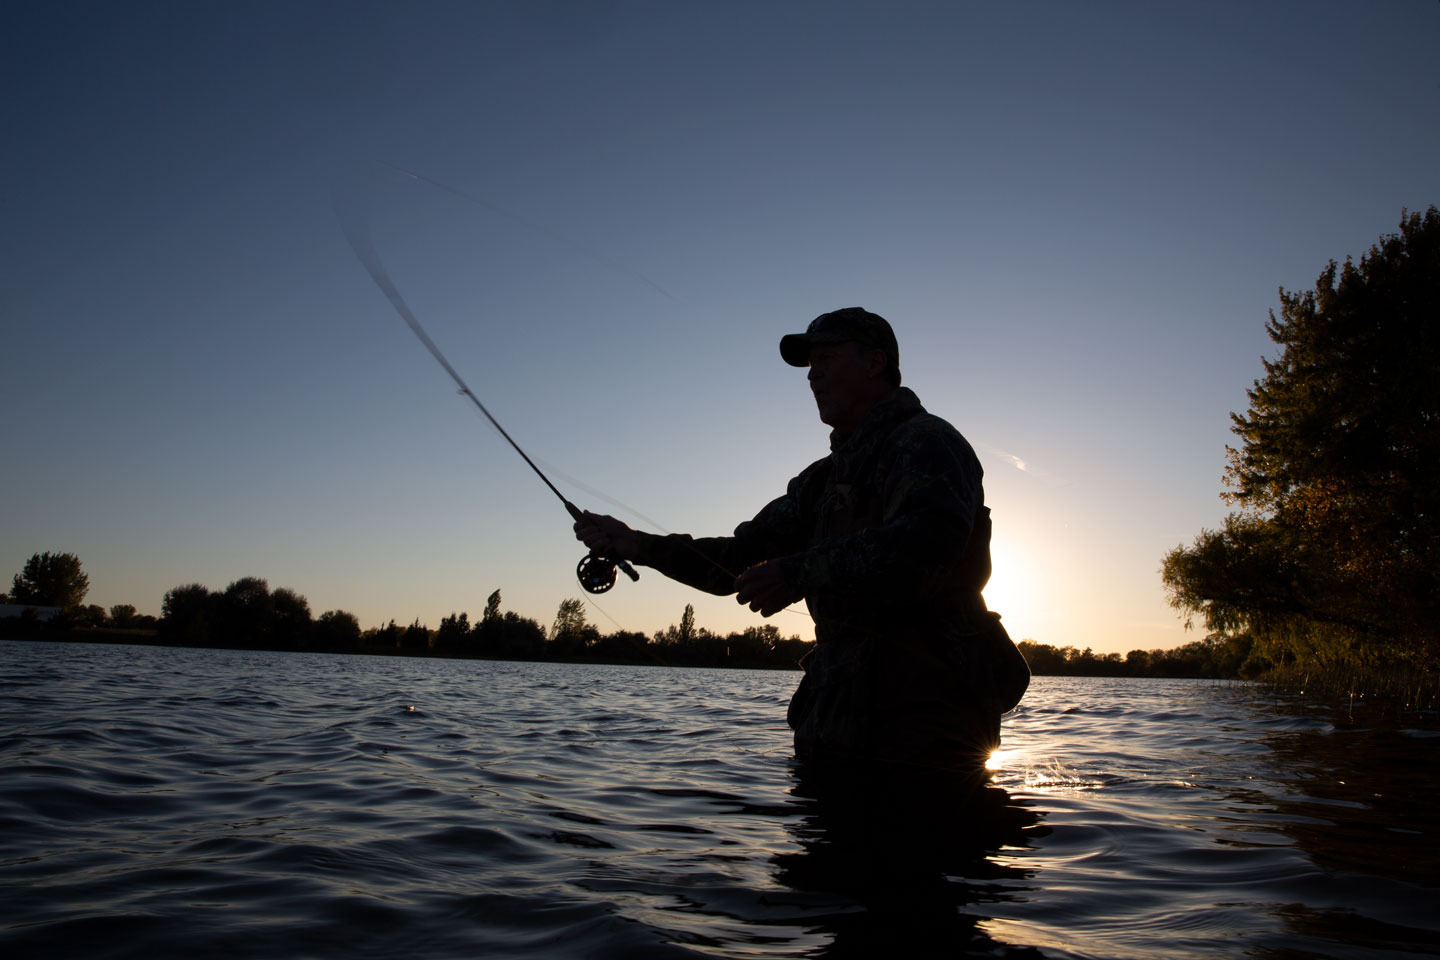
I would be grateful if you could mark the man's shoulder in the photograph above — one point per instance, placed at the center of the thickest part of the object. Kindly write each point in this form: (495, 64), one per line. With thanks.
(810, 473)
(926, 430)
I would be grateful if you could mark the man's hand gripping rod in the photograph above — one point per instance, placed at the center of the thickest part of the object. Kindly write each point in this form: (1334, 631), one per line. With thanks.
(595, 572)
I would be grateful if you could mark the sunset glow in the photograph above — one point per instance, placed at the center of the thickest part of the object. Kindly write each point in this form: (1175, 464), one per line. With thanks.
(606, 216)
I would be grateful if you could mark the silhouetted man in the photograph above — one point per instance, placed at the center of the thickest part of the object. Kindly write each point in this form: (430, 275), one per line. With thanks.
(887, 540)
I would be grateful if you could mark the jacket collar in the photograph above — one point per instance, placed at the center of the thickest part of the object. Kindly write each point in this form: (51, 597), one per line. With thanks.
(876, 425)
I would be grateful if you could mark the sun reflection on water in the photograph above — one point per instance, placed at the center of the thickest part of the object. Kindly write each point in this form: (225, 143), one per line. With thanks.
(1042, 775)
(1003, 758)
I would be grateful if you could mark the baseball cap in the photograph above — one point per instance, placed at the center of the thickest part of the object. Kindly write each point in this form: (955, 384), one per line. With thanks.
(838, 326)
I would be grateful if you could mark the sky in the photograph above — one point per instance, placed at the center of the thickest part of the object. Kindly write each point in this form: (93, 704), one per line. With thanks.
(1077, 217)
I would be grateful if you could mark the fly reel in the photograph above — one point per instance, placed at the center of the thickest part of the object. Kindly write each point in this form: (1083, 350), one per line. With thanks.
(597, 574)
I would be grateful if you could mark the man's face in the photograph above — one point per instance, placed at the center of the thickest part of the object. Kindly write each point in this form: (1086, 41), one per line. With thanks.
(843, 380)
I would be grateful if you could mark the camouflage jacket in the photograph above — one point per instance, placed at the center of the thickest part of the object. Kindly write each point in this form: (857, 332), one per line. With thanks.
(888, 539)
(888, 536)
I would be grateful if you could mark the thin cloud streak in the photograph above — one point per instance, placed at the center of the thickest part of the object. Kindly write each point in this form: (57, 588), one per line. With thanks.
(1026, 467)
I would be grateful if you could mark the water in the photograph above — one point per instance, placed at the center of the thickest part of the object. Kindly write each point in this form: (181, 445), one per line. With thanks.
(175, 802)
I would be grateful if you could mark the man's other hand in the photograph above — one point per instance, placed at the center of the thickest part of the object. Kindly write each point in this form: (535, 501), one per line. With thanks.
(764, 588)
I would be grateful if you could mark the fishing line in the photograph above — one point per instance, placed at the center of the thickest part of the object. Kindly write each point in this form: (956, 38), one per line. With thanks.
(659, 528)
(600, 495)
(793, 609)
(596, 573)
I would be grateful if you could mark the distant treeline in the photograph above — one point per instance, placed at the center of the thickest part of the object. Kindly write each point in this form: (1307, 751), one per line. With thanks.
(249, 615)
(1202, 659)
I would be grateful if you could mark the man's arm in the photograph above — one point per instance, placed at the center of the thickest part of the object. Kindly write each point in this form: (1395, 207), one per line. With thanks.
(718, 565)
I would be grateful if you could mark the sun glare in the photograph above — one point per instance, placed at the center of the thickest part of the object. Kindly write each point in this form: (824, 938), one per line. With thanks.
(1002, 758)
(1007, 592)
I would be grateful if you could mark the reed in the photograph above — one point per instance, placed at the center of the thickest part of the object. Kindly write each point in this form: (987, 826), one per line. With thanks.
(1399, 690)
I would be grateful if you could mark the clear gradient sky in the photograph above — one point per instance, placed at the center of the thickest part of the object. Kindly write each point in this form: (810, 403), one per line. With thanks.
(1076, 216)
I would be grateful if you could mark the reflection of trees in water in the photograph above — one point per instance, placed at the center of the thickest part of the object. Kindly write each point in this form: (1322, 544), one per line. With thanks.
(904, 853)
(1358, 800)
(1347, 927)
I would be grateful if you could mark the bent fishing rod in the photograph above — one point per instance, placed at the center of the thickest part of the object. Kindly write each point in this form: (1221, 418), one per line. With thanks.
(596, 573)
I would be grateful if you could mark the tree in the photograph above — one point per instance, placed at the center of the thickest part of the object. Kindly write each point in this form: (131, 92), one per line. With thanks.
(567, 633)
(507, 635)
(569, 617)
(122, 615)
(386, 637)
(246, 615)
(187, 615)
(790, 651)
(1334, 556)
(337, 630)
(51, 580)
(753, 645)
(511, 637)
(290, 623)
(415, 637)
(623, 645)
(453, 635)
(684, 635)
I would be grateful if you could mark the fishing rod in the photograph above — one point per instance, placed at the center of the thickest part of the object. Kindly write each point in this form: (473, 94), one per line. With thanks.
(595, 572)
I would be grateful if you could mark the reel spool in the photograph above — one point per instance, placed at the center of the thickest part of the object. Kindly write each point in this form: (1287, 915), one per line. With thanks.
(597, 574)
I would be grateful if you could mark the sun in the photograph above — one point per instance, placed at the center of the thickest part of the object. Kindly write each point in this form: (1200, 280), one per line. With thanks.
(1009, 590)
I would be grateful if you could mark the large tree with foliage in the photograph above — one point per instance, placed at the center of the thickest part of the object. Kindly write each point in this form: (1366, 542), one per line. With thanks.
(51, 580)
(570, 634)
(454, 635)
(1334, 555)
(337, 630)
(188, 615)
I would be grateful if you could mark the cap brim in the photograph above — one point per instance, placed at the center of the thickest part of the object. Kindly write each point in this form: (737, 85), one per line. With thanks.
(795, 348)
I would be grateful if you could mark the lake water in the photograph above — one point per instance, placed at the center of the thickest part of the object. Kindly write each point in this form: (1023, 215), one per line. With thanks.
(172, 802)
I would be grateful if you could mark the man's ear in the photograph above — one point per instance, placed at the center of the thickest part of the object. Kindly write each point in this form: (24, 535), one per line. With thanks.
(876, 361)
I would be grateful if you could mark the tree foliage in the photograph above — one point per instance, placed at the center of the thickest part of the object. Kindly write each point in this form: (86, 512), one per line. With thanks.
(1334, 555)
(569, 618)
(290, 619)
(1214, 658)
(336, 630)
(249, 615)
(51, 580)
(509, 636)
(415, 637)
(569, 634)
(454, 634)
(186, 614)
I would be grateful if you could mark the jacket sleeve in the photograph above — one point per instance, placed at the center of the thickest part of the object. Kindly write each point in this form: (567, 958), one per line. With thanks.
(712, 563)
(931, 498)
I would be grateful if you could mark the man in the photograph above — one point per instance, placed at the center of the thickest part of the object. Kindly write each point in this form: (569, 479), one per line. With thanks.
(888, 542)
